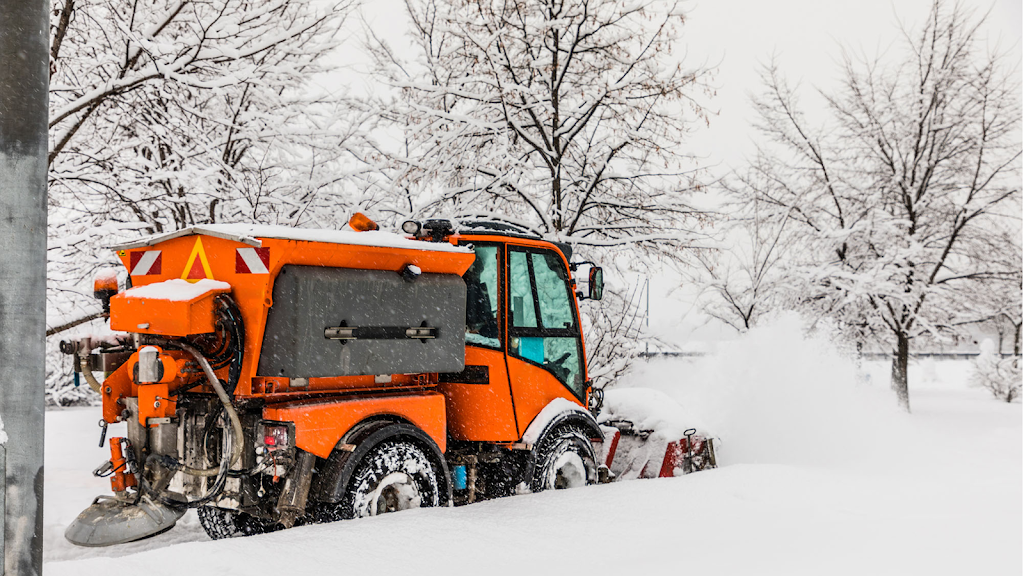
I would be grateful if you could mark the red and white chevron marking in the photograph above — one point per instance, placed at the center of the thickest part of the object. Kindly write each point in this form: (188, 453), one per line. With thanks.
(252, 261)
(145, 262)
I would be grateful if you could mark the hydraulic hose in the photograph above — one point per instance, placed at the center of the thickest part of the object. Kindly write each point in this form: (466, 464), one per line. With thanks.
(83, 366)
(236, 424)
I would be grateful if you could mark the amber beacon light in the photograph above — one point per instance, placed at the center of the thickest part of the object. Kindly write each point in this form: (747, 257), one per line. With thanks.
(361, 223)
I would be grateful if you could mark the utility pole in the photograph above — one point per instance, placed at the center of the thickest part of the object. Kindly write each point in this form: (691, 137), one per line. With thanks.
(24, 82)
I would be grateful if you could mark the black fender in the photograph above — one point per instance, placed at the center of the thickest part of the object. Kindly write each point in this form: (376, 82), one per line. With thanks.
(335, 472)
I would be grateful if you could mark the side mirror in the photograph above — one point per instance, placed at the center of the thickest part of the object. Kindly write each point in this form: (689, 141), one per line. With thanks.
(596, 283)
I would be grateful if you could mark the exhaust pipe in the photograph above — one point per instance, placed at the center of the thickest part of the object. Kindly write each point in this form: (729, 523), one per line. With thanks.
(292, 502)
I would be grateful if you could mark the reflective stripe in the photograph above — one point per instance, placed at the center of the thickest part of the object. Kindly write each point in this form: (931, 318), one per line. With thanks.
(252, 261)
(146, 262)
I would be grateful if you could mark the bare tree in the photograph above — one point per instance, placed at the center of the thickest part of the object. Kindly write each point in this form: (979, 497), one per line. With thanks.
(743, 283)
(893, 202)
(567, 118)
(179, 112)
(997, 300)
(996, 307)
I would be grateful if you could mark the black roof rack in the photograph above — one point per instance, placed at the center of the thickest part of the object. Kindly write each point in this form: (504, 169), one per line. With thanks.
(492, 228)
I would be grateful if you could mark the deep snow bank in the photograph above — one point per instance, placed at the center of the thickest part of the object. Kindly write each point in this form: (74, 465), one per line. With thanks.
(951, 506)
(775, 395)
(762, 519)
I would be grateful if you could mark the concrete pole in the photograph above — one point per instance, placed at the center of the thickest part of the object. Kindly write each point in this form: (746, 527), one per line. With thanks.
(24, 81)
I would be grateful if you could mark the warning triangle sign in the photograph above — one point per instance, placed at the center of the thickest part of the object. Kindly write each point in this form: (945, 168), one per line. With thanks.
(198, 267)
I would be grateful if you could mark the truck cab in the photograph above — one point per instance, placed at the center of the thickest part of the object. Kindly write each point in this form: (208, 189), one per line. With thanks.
(524, 347)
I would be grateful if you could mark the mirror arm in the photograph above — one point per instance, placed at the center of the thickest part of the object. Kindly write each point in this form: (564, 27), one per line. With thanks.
(574, 265)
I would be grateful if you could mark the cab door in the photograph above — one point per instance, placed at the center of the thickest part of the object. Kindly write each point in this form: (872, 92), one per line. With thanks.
(545, 353)
(478, 399)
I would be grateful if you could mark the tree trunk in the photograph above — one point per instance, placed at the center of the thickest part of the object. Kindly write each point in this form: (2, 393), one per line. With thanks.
(899, 370)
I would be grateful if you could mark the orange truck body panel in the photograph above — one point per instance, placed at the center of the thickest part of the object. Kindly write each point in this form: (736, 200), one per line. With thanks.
(321, 423)
(164, 317)
(533, 388)
(482, 412)
(194, 257)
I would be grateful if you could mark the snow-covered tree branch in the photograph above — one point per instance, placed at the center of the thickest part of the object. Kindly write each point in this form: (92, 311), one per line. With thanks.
(566, 116)
(172, 113)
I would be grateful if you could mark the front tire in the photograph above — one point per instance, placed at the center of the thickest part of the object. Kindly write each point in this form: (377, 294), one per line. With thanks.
(395, 475)
(565, 458)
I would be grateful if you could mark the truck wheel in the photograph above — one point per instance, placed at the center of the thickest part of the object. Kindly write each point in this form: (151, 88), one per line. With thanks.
(565, 459)
(395, 475)
(219, 523)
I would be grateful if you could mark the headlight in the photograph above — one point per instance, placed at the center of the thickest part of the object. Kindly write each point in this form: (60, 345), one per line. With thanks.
(411, 227)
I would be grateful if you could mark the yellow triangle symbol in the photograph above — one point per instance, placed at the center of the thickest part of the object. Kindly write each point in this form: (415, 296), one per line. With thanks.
(195, 271)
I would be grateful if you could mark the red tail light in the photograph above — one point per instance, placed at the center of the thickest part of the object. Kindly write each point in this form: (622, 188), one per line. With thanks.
(275, 436)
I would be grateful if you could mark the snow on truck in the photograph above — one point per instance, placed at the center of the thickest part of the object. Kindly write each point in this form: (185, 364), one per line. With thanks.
(272, 376)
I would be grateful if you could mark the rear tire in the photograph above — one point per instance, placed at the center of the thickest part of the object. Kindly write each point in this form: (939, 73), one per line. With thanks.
(220, 523)
(565, 458)
(395, 475)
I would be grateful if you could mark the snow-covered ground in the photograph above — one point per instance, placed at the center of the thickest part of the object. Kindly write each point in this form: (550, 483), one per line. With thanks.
(819, 474)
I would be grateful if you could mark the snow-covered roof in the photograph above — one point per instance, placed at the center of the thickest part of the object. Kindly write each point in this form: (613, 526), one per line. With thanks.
(251, 233)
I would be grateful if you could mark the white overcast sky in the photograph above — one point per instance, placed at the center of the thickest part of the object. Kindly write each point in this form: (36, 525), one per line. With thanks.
(807, 38)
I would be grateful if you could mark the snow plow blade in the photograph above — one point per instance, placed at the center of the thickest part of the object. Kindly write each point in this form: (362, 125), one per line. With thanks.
(630, 453)
(110, 521)
(647, 434)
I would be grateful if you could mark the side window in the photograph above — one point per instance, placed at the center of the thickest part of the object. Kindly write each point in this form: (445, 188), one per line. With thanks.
(552, 292)
(524, 310)
(482, 298)
(543, 326)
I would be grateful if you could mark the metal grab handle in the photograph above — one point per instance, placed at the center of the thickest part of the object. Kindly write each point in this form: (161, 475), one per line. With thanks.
(380, 333)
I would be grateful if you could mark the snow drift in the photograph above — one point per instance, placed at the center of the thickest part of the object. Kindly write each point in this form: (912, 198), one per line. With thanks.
(775, 395)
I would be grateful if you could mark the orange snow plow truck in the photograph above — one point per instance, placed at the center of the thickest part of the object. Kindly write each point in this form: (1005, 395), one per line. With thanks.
(271, 376)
